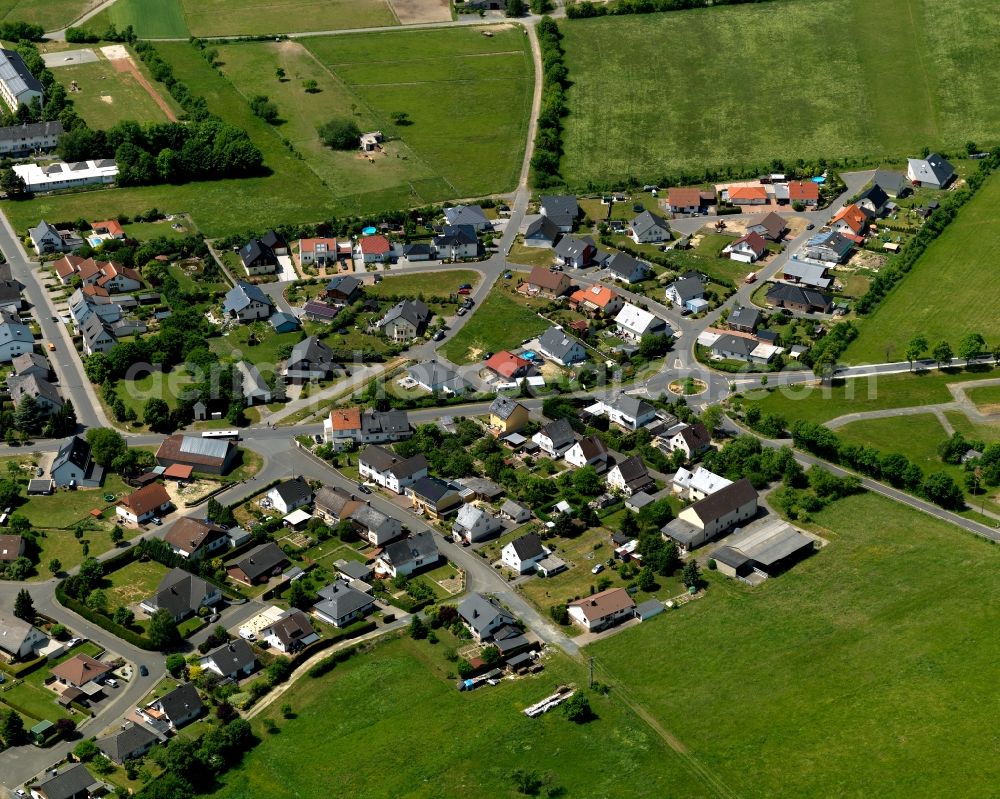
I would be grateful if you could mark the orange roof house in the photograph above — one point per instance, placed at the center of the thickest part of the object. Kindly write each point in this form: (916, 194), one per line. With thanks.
(109, 228)
(375, 245)
(345, 419)
(506, 364)
(803, 191)
(600, 298)
(747, 194)
(851, 217)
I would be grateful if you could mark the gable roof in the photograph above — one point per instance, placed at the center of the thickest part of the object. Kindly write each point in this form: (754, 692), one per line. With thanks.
(242, 295)
(747, 193)
(832, 241)
(339, 599)
(293, 626)
(559, 432)
(797, 295)
(195, 450)
(260, 560)
(344, 284)
(754, 241)
(311, 351)
(181, 592)
(415, 312)
(436, 374)
(345, 419)
(892, 182)
(688, 288)
(180, 701)
(932, 169)
(573, 247)
(13, 631)
(553, 281)
(560, 208)
(696, 435)
(774, 225)
(802, 190)
(482, 612)
(375, 245)
(633, 470)
(604, 603)
(811, 274)
(466, 215)
(506, 364)
(852, 216)
(744, 316)
(188, 533)
(876, 195)
(684, 198)
(417, 546)
(724, 501)
(146, 499)
(294, 490)
(629, 405)
(556, 343)
(256, 250)
(541, 227)
(625, 266)
(503, 407)
(236, 655)
(647, 221)
(432, 489)
(635, 318)
(132, 738)
(737, 344)
(597, 295)
(528, 546)
(71, 782)
(75, 451)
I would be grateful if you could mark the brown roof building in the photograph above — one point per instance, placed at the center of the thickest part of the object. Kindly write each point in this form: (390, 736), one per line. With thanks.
(142, 505)
(80, 670)
(209, 455)
(11, 548)
(603, 609)
(547, 283)
(193, 538)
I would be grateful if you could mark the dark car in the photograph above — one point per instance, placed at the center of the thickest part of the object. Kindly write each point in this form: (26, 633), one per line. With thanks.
(143, 671)
(364, 489)
(810, 226)
(465, 286)
(439, 335)
(487, 355)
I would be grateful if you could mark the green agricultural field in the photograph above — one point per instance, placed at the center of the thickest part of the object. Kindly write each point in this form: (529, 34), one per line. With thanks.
(946, 293)
(107, 96)
(854, 674)
(150, 20)
(815, 403)
(254, 17)
(427, 283)
(50, 14)
(430, 738)
(501, 322)
(658, 94)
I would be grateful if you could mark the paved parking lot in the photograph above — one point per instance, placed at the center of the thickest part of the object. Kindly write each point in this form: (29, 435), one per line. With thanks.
(68, 58)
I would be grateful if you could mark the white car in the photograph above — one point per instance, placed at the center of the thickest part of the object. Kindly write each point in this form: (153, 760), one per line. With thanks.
(597, 569)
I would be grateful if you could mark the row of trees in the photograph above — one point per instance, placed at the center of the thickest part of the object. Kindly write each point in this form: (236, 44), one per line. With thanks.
(972, 346)
(588, 9)
(548, 139)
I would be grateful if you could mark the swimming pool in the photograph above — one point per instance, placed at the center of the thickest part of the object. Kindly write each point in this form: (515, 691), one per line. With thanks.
(529, 355)
(95, 241)
(368, 231)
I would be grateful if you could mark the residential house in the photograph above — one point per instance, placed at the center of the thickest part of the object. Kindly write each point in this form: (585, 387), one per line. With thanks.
(418, 251)
(47, 239)
(31, 363)
(508, 366)
(602, 610)
(115, 278)
(547, 283)
(12, 547)
(45, 394)
(561, 348)
(471, 215)
(806, 274)
(209, 455)
(630, 476)
(575, 253)
(196, 538)
(691, 439)
(246, 302)
(483, 616)
(474, 524)
(343, 288)
(596, 300)
(830, 247)
(588, 451)
(10, 294)
(318, 252)
(686, 200)
(274, 242)
(649, 228)
(625, 411)
(334, 504)
(712, 515)
(797, 298)
(15, 336)
(182, 594)
(405, 320)
(803, 191)
(771, 226)
(515, 512)
(892, 183)
(289, 495)
(339, 604)
(98, 335)
(733, 348)
(697, 484)
(414, 553)
(744, 319)
(143, 505)
(508, 415)
(310, 359)
(18, 639)
(374, 526)
(851, 220)
(73, 782)
(177, 708)
(632, 323)
(433, 496)
(748, 248)
(259, 565)
(130, 743)
(555, 438)
(233, 660)
(747, 195)
(688, 293)
(74, 466)
(874, 201)
(353, 571)
(933, 171)
(349, 425)
(437, 378)
(390, 470)
(540, 232)
(626, 269)
(523, 554)
(374, 249)
(93, 300)
(253, 387)
(456, 242)
(80, 670)
(562, 209)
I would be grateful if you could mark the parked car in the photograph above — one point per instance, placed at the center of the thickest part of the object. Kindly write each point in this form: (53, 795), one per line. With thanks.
(143, 671)
(157, 521)
(597, 569)
(462, 311)
(51, 347)
(465, 291)
(465, 286)
(438, 336)
(112, 682)
(364, 489)
(469, 302)
(810, 226)
(487, 355)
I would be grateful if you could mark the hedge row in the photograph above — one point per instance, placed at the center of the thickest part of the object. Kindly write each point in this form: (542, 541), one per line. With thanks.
(548, 138)
(588, 9)
(326, 665)
(102, 621)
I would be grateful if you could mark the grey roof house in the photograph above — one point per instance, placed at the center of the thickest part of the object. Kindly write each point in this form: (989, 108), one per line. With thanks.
(73, 466)
(564, 349)
(483, 616)
(561, 209)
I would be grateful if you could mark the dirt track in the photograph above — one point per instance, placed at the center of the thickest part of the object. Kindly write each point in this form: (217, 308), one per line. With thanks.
(128, 65)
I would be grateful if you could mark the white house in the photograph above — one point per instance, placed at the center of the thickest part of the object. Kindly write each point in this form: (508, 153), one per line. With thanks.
(649, 228)
(747, 249)
(523, 554)
(18, 639)
(588, 451)
(555, 438)
(633, 323)
(289, 495)
(625, 411)
(602, 610)
(408, 555)
(392, 472)
(141, 506)
(475, 524)
(630, 476)
(690, 439)
(697, 484)
(714, 514)
(60, 175)
(557, 346)
(290, 633)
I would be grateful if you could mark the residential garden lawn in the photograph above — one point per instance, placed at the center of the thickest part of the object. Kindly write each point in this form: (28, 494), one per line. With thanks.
(191, 277)
(254, 17)
(945, 292)
(418, 710)
(65, 508)
(162, 19)
(430, 284)
(64, 546)
(503, 320)
(986, 398)
(50, 14)
(900, 80)
(107, 96)
(248, 463)
(816, 403)
(530, 256)
(144, 231)
(867, 648)
(133, 583)
(30, 694)
(235, 345)
(161, 385)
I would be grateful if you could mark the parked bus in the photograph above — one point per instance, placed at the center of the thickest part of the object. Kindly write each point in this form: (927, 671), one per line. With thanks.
(233, 434)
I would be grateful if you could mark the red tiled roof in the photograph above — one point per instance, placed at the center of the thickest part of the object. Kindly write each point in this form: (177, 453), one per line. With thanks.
(111, 227)
(748, 193)
(178, 471)
(146, 499)
(598, 296)
(755, 240)
(309, 245)
(852, 216)
(684, 198)
(375, 245)
(802, 190)
(68, 265)
(506, 364)
(345, 419)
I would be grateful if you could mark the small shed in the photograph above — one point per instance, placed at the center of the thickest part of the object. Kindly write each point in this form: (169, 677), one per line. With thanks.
(40, 486)
(297, 518)
(648, 609)
(42, 731)
(638, 501)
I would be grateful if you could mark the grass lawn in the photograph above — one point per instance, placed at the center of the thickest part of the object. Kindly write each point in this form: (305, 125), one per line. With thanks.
(133, 583)
(977, 432)
(944, 295)
(987, 398)
(530, 256)
(430, 284)
(107, 96)
(414, 721)
(144, 231)
(235, 345)
(162, 385)
(502, 321)
(190, 275)
(252, 17)
(916, 436)
(65, 508)
(50, 14)
(162, 19)
(815, 403)
(876, 79)
(853, 674)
